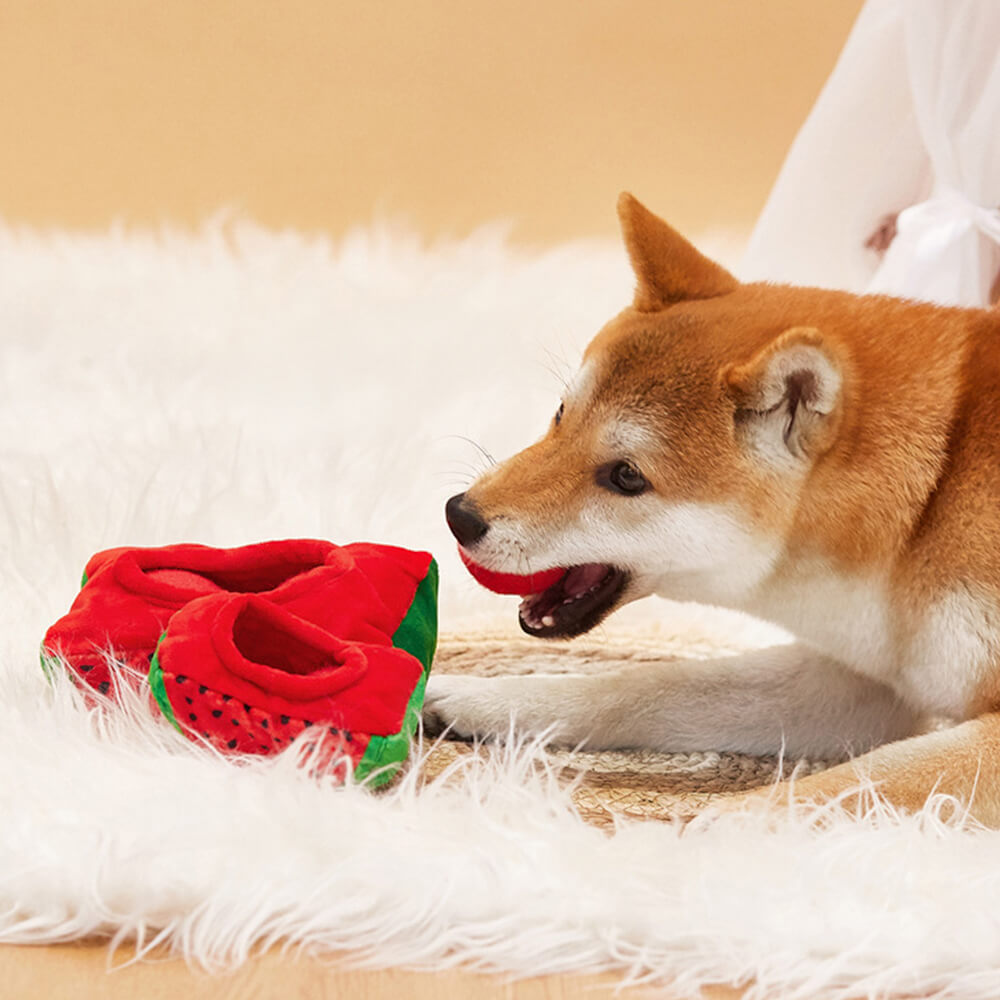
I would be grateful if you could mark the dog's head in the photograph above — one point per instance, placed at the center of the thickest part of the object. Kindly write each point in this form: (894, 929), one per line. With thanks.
(675, 461)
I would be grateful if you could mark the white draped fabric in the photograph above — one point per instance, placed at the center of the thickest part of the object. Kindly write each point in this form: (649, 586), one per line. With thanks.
(907, 126)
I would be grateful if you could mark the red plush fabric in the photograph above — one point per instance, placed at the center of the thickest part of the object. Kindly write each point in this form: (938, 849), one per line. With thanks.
(281, 667)
(358, 592)
(511, 583)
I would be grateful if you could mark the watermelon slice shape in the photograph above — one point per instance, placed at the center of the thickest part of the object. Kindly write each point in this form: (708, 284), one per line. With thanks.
(378, 599)
(249, 677)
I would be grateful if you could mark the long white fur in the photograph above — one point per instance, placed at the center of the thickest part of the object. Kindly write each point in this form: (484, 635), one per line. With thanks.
(245, 385)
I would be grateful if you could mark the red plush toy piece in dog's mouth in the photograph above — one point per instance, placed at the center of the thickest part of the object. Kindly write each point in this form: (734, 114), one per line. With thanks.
(557, 603)
(511, 583)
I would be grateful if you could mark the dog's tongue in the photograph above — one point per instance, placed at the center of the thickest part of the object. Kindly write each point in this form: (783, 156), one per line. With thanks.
(511, 583)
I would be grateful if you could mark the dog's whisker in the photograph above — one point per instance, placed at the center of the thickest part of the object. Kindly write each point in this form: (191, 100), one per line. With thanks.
(558, 367)
(556, 375)
(475, 444)
(522, 561)
(461, 469)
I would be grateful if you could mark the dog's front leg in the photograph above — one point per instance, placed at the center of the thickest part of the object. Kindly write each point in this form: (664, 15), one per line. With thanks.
(783, 698)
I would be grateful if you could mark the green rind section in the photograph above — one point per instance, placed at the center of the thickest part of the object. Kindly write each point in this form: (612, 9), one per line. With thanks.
(49, 664)
(385, 754)
(83, 581)
(417, 632)
(416, 635)
(159, 689)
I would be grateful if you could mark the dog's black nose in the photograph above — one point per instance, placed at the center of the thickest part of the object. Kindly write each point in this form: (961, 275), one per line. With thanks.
(464, 520)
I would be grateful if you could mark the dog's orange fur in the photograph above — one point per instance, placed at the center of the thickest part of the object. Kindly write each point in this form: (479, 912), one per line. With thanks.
(916, 455)
(900, 480)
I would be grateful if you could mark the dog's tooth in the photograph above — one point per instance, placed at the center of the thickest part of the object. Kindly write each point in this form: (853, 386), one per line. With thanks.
(548, 621)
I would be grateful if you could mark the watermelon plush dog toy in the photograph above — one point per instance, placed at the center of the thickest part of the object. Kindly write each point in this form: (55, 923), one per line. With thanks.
(249, 647)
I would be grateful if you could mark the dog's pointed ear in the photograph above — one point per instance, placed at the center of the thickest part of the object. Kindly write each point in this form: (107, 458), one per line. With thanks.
(668, 269)
(787, 399)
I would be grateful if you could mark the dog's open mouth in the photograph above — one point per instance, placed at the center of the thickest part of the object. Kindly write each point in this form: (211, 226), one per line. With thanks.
(559, 603)
(575, 603)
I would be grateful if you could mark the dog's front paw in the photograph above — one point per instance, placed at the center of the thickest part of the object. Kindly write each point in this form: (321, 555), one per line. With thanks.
(468, 707)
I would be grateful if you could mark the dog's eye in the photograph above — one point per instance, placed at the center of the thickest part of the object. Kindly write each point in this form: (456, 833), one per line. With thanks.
(622, 477)
(559, 413)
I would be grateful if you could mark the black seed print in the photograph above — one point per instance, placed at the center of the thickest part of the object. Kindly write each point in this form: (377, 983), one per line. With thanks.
(85, 668)
(263, 723)
(181, 678)
(231, 744)
(334, 731)
(190, 701)
(192, 717)
(202, 689)
(103, 686)
(307, 723)
(246, 707)
(235, 722)
(151, 655)
(284, 720)
(203, 733)
(216, 712)
(227, 697)
(278, 739)
(348, 737)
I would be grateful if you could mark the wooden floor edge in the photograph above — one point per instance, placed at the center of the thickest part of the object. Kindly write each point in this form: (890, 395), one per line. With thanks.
(81, 970)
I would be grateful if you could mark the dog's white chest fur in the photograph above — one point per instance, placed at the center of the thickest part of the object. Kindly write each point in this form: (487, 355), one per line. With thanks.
(846, 617)
(951, 652)
(934, 663)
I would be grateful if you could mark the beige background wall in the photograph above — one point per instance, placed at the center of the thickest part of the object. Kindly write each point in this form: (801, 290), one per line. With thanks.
(323, 113)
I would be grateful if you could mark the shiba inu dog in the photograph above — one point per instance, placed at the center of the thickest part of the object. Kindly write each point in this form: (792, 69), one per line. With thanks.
(827, 461)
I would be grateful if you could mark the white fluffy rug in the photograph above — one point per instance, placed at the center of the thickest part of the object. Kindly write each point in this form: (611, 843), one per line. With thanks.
(247, 385)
